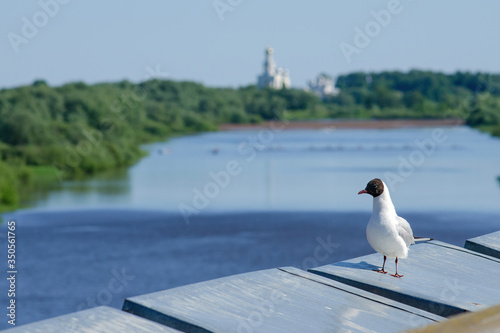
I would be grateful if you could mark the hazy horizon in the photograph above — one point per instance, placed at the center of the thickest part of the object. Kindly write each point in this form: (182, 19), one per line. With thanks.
(221, 43)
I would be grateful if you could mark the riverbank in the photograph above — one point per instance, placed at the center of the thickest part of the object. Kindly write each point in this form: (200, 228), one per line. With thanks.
(308, 159)
(43, 179)
(47, 176)
(347, 124)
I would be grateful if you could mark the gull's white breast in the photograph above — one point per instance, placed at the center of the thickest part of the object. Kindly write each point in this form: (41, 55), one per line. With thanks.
(383, 236)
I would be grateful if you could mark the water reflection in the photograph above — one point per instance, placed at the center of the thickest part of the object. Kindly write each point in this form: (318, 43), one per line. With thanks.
(110, 183)
(296, 170)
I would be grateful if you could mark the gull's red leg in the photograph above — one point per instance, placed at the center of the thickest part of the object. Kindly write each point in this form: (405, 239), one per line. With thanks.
(382, 270)
(397, 275)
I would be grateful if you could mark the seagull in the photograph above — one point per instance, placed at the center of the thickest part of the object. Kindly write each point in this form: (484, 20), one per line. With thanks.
(387, 233)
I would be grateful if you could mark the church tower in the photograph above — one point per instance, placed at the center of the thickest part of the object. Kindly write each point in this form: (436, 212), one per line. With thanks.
(273, 77)
(269, 64)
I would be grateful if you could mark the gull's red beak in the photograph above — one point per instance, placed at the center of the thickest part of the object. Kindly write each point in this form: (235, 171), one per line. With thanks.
(362, 191)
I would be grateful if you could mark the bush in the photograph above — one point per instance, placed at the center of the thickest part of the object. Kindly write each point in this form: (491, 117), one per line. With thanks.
(8, 186)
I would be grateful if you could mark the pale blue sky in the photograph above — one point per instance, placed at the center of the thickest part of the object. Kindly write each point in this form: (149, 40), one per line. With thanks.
(95, 41)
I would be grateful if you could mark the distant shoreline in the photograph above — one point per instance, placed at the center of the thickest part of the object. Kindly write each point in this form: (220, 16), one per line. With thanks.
(346, 124)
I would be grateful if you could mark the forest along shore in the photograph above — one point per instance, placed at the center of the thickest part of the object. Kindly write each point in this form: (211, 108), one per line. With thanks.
(348, 124)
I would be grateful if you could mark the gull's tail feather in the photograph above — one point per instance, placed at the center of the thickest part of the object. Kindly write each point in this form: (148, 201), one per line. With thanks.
(422, 239)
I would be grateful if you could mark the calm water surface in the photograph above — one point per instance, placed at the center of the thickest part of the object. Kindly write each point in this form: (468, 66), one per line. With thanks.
(300, 170)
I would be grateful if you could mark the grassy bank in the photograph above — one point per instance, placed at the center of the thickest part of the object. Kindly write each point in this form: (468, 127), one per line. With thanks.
(50, 134)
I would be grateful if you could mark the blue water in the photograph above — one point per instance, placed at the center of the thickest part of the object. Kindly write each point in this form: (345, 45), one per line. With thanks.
(301, 170)
(297, 193)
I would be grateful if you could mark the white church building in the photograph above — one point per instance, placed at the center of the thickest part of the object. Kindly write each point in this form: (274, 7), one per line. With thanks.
(277, 78)
(273, 77)
(323, 86)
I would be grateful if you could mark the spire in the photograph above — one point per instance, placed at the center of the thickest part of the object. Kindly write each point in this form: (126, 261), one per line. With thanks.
(269, 65)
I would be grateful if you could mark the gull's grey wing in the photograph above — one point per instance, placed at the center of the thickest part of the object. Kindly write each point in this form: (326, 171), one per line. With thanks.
(404, 230)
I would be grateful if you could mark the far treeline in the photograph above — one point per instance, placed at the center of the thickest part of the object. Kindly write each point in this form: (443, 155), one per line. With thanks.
(79, 129)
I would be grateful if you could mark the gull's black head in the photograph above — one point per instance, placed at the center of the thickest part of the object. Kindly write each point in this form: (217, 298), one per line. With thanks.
(374, 188)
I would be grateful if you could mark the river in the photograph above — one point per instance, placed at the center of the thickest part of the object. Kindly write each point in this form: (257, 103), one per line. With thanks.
(204, 206)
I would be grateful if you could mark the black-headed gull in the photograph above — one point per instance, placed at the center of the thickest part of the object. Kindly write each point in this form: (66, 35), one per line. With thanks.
(388, 234)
